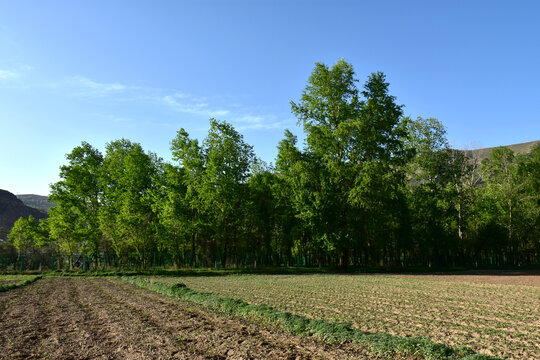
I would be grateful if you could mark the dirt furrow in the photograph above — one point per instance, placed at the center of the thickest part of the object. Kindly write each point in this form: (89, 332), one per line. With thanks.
(20, 326)
(133, 333)
(215, 335)
(45, 321)
(83, 318)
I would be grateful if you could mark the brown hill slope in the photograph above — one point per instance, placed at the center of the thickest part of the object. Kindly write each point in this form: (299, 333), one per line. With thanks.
(521, 148)
(11, 208)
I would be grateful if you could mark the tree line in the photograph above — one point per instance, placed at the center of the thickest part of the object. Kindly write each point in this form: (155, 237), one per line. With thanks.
(369, 186)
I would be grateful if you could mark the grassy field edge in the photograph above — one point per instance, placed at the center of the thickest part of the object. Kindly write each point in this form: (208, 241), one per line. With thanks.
(7, 287)
(380, 343)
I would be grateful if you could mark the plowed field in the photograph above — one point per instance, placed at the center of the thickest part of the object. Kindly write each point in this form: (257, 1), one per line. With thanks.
(96, 318)
(496, 315)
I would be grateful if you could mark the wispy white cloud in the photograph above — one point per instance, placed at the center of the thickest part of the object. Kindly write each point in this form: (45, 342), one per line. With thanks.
(100, 86)
(89, 87)
(260, 122)
(8, 74)
(239, 116)
(118, 119)
(250, 119)
(222, 108)
(14, 73)
(193, 105)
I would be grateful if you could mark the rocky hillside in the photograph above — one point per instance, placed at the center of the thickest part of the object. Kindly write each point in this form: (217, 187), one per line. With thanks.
(521, 148)
(36, 201)
(11, 208)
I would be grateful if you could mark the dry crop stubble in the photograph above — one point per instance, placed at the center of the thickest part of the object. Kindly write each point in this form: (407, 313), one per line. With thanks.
(493, 315)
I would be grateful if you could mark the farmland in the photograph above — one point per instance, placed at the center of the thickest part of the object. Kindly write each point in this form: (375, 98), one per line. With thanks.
(66, 318)
(493, 315)
(107, 317)
(8, 282)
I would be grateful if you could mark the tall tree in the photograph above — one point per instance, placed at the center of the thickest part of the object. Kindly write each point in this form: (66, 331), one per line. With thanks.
(288, 194)
(127, 217)
(429, 177)
(216, 175)
(260, 211)
(228, 161)
(25, 234)
(380, 156)
(355, 147)
(77, 194)
(530, 171)
(169, 204)
(189, 154)
(328, 110)
(507, 189)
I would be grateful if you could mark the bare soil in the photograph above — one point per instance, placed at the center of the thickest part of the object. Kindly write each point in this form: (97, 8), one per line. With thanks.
(9, 282)
(493, 313)
(97, 318)
(502, 278)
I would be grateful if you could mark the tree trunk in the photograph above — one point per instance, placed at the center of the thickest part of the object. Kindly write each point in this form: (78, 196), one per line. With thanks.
(344, 257)
(192, 260)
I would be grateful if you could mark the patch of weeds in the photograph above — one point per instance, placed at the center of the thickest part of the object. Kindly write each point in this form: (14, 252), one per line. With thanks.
(178, 286)
(28, 280)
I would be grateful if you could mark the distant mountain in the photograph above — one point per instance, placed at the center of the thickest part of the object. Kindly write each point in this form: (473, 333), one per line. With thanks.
(37, 202)
(521, 148)
(11, 209)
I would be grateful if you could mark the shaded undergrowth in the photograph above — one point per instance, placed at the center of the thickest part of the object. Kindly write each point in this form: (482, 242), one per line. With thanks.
(381, 344)
(188, 272)
(280, 270)
(31, 279)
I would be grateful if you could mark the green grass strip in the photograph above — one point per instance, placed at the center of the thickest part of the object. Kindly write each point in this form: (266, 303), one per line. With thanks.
(7, 287)
(381, 344)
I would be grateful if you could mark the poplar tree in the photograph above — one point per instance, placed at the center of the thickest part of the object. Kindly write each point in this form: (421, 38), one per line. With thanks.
(228, 159)
(74, 221)
(355, 153)
(127, 217)
(191, 159)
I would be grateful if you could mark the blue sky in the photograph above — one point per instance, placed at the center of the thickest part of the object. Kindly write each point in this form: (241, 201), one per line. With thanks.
(96, 71)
